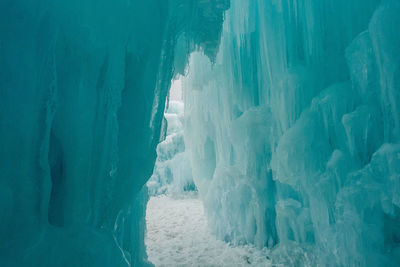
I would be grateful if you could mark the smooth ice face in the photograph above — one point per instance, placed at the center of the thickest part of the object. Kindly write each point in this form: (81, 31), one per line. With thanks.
(294, 130)
(172, 172)
(83, 85)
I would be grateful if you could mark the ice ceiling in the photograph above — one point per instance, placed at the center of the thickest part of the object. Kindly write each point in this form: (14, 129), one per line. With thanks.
(292, 125)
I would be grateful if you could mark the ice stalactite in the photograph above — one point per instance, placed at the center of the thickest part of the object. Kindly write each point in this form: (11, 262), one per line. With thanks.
(294, 130)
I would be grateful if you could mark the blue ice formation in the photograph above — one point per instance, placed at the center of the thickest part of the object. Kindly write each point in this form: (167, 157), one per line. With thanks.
(83, 85)
(172, 171)
(292, 125)
(294, 130)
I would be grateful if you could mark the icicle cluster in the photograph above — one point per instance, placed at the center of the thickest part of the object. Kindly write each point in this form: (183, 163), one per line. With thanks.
(294, 130)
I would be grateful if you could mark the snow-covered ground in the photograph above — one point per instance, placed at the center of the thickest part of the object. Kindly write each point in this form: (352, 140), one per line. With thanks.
(178, 235)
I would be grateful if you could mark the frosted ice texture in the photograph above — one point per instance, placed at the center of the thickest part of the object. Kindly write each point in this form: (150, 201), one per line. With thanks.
(83, 85)
(172, 172)
(294, 130)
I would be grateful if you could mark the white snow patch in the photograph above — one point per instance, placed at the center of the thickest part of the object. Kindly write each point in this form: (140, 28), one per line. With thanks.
(178, 235)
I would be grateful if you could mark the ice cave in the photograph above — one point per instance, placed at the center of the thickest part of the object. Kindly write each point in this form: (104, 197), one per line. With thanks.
(199, 133)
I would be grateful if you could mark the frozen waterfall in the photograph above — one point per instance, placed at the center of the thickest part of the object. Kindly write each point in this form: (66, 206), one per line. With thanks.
(294, 128)
(289, 131)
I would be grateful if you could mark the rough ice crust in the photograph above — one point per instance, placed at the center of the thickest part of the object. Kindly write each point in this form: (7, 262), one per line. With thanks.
(178, 235)
(294, 130)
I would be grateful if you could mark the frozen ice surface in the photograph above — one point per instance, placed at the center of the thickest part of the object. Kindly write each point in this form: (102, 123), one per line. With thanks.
(178, 235)
(292, 122)
(83, 86)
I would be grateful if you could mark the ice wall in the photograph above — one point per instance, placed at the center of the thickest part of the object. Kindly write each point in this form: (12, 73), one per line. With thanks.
(294, 130)
(82, 91)
(172, 172)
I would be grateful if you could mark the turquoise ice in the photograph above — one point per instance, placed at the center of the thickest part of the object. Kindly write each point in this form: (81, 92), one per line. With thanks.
(291, 126)
(294, 130)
